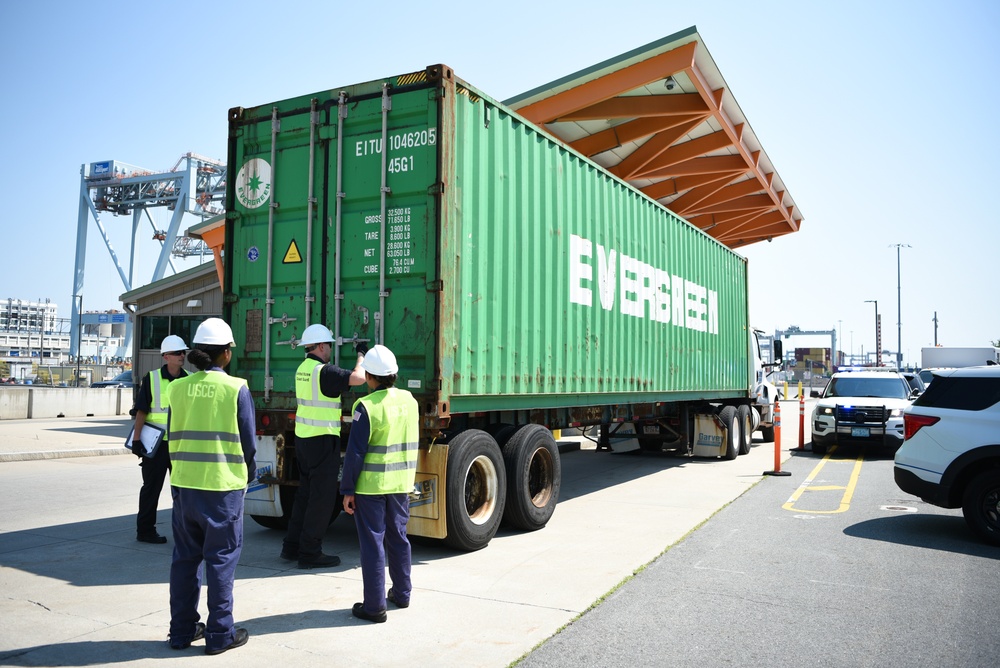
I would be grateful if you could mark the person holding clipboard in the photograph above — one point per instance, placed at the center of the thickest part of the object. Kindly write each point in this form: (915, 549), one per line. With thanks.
(150, 407)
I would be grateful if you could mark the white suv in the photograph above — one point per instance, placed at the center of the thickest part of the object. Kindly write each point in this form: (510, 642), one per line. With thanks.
(951, 457)
(861, 407)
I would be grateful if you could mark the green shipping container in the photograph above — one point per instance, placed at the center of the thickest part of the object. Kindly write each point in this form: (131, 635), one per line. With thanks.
(504, 270)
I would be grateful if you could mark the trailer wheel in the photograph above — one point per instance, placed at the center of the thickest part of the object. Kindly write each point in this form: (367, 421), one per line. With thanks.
(767, 433)
(534, 475)
(732, 424)
(287, 493)
(746, 428)
(287, 500)
(476, 486)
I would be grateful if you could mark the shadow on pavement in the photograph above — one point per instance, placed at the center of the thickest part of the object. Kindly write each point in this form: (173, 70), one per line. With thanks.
(933, 532)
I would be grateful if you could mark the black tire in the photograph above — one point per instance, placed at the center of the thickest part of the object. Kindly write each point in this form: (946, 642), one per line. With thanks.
(501, 432)
(981, 506)
(818, 448)
(476, 488)
(728, 417)
(746, 428)
(287, 493)
(534, 475)
(767, 433)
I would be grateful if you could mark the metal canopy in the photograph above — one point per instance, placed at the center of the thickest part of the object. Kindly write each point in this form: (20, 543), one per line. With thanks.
(662, 118)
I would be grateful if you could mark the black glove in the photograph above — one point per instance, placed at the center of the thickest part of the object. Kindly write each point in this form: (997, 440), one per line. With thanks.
(361, 347)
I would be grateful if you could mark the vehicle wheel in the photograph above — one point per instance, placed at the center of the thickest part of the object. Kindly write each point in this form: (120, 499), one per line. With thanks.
(534, 474)
(818, 448)
(728, 417)
(746, 428)
(501, 432)
(287, 493)
(981, 506)
(476, 486)
(767, 433)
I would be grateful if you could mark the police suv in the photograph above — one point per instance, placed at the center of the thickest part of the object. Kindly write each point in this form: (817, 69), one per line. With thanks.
(861, 406)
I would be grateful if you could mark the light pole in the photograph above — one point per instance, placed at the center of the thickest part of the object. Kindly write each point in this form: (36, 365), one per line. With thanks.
(878, 346)
(899, 309)
(79, 338)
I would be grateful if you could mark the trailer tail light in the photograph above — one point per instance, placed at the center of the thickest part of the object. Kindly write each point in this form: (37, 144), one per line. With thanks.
(912, 423)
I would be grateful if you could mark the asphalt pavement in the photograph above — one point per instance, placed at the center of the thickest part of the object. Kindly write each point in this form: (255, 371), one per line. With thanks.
(79, 590)
(846, 571)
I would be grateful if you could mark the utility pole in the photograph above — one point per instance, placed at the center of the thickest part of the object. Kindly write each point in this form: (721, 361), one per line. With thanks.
(935, 328)
(878, 334)
(899, 309)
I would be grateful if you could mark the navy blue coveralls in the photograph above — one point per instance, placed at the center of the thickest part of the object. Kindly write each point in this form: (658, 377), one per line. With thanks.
(208, 526)
(319, 465)
(381, 522)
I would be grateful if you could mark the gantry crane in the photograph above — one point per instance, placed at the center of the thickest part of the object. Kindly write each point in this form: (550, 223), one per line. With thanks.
(196, 185)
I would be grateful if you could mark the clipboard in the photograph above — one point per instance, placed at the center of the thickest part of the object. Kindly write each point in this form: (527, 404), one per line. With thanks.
(149, 440)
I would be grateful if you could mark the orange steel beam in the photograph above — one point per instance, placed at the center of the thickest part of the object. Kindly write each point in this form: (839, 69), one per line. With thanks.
(648, 153)
(757, 202)
(640, 107)
(709, 165)
(631, 131)
(722, 226)
(714, 100)
(611, 85)
(669, 187)
(702, 198)
(640, 166)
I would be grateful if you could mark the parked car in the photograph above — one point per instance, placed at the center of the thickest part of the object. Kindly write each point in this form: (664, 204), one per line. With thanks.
(927, 375)
(914, 380)
(951, 455)
(124, 379)
(861, 407)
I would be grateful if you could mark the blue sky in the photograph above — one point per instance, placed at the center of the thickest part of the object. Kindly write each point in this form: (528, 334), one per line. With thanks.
(880, 117)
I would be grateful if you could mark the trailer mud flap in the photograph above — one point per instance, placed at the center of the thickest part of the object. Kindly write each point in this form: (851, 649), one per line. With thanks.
(710, 437)
(263, 498)
(427, 500)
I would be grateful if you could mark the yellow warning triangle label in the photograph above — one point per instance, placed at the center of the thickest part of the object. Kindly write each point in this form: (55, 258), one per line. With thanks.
(292, 255)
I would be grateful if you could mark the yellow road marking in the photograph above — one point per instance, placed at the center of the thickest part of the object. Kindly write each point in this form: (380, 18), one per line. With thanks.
(845, 500)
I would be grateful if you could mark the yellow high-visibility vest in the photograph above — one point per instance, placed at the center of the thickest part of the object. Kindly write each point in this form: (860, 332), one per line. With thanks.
(390, 465)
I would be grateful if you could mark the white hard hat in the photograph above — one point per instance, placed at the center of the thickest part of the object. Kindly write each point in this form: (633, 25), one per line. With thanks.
(172, 344)
(379, 361)
(316, 334)
(214, 332)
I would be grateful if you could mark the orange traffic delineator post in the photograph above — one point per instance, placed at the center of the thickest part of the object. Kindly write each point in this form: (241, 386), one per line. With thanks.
(802, 425)
(777, 442)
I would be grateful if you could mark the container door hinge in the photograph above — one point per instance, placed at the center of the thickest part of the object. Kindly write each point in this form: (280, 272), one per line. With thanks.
(436, 188)
(435, 286)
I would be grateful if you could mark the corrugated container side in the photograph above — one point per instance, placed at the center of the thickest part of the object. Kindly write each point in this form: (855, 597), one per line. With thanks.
(538, 320)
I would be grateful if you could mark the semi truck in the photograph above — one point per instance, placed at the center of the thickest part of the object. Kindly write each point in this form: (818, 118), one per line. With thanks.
(522, 287)
(944, 357)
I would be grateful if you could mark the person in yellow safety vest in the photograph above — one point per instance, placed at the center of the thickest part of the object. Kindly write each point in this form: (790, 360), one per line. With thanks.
(318, 388)
(211, 426)
(379, 470)
(151, 407)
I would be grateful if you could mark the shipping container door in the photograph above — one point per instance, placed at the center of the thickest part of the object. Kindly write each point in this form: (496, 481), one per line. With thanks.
(388, 230)
(269, 243)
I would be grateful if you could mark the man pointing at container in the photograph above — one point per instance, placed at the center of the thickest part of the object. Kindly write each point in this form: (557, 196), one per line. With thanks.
(318, 386)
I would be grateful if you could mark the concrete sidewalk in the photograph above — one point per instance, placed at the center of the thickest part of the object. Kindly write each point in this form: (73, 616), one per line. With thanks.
(55, 438)
(67, 606)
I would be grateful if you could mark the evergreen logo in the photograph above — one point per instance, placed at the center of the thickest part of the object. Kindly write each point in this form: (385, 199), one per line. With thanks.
(253, 183)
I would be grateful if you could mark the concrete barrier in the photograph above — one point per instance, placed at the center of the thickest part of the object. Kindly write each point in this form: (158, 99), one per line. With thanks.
(19, 403)
(14, 403)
